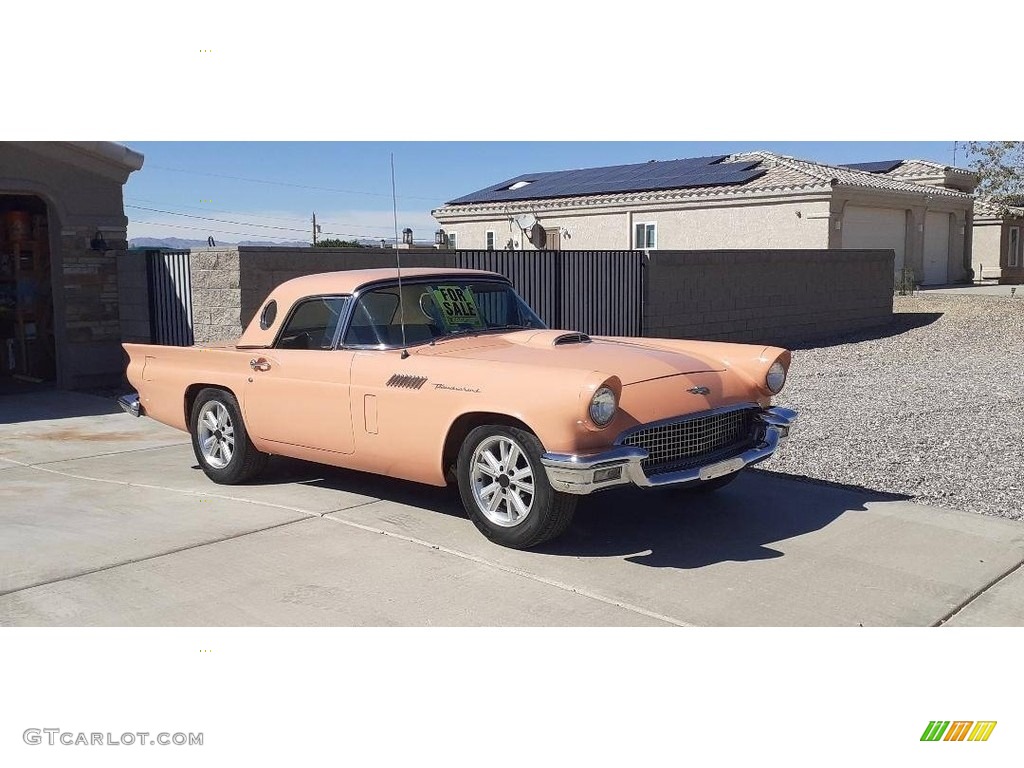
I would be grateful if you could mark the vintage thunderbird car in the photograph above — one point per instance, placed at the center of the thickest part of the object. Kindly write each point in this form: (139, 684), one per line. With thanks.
(441, 374)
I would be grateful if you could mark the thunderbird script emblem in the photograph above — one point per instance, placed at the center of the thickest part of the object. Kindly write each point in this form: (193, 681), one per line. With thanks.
(699, 390)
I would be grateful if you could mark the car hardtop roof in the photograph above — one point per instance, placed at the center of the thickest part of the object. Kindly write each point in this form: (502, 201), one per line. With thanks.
(352, 280)
(333, 284)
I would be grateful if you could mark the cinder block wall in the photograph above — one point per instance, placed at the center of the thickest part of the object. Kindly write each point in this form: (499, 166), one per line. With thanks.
(784, 297)
(230, 284)
(757, 296)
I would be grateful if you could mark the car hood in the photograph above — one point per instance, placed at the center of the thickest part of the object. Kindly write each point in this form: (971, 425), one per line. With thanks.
(631, 361)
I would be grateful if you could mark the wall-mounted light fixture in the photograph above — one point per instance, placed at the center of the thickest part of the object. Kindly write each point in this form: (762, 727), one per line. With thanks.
(407, 236)
(98, 243)
(440, 238)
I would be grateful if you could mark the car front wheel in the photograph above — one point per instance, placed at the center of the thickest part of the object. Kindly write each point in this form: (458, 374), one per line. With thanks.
(505, 489)
(220, 441)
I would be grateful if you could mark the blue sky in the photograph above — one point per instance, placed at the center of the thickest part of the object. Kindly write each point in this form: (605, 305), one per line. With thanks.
(183, 185)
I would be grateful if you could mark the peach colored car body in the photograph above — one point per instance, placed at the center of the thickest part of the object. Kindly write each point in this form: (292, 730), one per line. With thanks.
(336, 406)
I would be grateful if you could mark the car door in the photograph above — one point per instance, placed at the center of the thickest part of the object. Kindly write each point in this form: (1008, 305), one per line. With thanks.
(298, 392)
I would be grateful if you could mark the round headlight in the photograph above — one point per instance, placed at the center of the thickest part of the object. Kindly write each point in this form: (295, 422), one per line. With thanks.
(776, 378)
(602, 406)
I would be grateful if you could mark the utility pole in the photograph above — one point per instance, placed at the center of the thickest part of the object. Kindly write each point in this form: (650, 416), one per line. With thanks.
(315, 229)
(954, 153)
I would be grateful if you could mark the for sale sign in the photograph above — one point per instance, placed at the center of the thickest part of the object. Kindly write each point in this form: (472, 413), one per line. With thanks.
(457, 305)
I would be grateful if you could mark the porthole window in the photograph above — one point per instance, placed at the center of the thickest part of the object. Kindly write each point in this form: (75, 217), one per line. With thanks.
(269, 315)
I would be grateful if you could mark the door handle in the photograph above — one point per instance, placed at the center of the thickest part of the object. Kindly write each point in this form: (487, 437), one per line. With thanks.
(259, 364)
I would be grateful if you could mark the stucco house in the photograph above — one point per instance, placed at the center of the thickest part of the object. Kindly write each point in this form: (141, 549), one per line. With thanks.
(62, 226)
(747, 200)
(998, 250)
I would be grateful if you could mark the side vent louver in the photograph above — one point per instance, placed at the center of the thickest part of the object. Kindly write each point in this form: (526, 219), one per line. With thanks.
(572, 338)
(406, 382)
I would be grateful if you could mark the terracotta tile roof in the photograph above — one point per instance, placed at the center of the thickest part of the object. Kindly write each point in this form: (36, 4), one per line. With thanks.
(783, 174)
(988, 208)
(926, 168)
(850, 177)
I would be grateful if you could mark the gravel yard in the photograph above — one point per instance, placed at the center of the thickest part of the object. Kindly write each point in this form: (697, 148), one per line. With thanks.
(934, 409)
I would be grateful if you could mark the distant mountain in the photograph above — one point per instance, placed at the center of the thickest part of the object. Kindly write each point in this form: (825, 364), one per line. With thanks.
(180, 244)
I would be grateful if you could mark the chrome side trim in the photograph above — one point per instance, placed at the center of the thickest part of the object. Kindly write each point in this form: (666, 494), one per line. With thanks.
(574, 473)
(130, 404)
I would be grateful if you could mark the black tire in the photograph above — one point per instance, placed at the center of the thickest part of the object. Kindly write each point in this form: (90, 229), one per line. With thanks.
(245, 461)
(550, 512)
(709, 486)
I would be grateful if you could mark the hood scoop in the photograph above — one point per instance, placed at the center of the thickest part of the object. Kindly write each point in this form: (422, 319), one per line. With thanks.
(571, 338)
(547, 339)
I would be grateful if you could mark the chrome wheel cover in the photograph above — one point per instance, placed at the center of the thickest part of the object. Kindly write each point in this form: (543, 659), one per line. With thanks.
(216, 434)
(502, 481)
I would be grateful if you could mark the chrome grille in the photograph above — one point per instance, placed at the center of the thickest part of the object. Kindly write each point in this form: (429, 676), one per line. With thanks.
(693, 440)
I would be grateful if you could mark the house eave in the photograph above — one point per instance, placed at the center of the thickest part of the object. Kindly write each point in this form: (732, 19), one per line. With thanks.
(102, 158)
(676, 199)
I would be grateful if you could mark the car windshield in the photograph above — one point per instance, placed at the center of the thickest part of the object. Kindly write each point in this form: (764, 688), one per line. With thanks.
(435, 310)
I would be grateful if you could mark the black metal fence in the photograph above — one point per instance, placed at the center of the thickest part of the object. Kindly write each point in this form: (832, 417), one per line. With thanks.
(170, 297)
(594, 292)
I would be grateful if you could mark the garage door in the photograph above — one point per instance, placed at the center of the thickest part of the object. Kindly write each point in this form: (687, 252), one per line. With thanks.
(936, 248)
(876, 228)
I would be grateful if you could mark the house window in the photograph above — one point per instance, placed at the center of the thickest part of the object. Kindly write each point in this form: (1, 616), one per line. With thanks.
(1013, 248)
(645, 236)
(490, 240)
(452, 241)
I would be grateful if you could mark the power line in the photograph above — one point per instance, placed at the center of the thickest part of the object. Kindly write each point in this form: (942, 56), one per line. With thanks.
(286, 183)
(293, 220)
(206, 229)
(237, 223)
(199, 229)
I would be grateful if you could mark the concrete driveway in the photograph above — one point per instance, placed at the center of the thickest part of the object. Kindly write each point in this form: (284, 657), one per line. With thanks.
(107, 520)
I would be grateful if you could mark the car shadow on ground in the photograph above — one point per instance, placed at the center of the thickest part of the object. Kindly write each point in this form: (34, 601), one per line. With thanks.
(901, 323)
(659, 529)
(685, 530)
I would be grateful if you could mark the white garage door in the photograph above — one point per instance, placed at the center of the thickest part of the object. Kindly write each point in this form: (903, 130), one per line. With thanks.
(876, 228)
(936, 248)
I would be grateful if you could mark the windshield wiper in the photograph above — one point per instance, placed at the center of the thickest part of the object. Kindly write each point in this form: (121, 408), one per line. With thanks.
(488, 329)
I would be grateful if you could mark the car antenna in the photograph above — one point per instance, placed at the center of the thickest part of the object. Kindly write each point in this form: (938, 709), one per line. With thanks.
(398, 260)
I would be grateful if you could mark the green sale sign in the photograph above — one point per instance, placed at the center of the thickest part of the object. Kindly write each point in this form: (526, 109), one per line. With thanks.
(457, 305)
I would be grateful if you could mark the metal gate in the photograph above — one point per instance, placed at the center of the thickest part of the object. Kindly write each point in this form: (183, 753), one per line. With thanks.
(170, 297)
(595, 292)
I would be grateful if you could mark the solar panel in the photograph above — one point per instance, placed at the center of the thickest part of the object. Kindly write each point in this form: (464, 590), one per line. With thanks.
(878, 166)
(637, 177)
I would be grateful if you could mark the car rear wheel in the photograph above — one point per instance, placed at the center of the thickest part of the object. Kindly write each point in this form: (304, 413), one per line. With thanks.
(219, 439)
(505, 489)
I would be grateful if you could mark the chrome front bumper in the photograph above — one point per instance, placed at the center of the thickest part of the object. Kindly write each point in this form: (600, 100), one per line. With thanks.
(590, 472)
(130, 404)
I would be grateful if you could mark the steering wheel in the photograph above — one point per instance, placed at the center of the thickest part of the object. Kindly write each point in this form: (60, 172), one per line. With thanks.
(426, 312)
